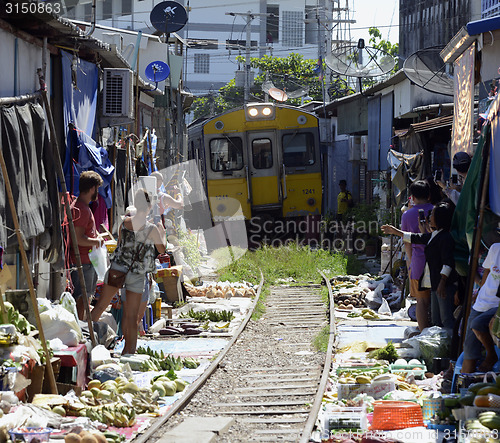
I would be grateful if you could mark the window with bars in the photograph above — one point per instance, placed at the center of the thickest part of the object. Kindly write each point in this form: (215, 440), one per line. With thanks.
(201, 63)
(293, 29)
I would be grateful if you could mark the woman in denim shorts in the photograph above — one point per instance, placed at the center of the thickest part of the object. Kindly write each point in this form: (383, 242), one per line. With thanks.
(136, 235)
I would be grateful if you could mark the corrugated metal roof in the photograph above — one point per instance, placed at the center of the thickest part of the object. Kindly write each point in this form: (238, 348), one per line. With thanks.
(428, 125)
(435, 123)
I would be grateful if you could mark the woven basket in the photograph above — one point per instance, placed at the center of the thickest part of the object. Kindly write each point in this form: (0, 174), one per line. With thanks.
(391, 415)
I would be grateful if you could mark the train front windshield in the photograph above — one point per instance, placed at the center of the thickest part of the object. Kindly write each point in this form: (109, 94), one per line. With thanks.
(298, 149)
(226, 154)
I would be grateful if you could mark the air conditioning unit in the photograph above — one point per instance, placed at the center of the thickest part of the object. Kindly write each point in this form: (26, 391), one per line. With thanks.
(118, 94)
(363, 152)
(354, 148)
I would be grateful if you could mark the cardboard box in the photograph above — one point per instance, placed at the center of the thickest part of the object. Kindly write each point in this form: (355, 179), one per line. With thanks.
(375, 390)
(172, 288)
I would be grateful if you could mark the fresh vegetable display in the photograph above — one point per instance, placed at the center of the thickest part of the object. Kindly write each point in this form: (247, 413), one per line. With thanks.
(214, 316)
(159, 361)
(388, 353)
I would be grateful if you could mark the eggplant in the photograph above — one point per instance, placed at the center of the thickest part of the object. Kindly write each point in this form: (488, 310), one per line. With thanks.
(170, 330)
(189, 325)
(193, 331)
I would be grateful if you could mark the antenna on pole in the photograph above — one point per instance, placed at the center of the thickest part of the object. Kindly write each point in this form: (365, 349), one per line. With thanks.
(249, 16)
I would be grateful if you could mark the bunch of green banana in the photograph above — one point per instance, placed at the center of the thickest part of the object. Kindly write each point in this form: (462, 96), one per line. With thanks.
(148, 351)
(153, 364)
(143, 403)
(174, 363)
(489, 419)
(119, 415)
(475, 425)
(113, 437)
(190, 363)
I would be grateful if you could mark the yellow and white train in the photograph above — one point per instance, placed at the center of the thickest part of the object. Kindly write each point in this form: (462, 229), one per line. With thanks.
(264, 157)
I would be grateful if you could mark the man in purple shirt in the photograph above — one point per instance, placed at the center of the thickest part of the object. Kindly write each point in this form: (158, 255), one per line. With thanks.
(415, 258)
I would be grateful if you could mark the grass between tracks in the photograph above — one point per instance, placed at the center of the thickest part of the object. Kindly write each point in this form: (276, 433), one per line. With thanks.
(279, 264)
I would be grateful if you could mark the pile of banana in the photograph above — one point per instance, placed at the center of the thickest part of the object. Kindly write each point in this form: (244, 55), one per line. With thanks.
(159, 361)
(119, 414)
(486, 421)
(356, 376)
(403, 386)
(115, 402)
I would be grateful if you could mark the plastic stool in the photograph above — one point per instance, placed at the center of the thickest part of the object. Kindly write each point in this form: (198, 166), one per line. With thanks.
(460, 360)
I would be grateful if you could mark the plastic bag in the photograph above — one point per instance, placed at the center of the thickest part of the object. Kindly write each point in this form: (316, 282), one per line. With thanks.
(384, 308)
(68, 302)
(374, 299)
(154, 292)
(100, 355)
(432, 342)
(99, 259)
(57, 322)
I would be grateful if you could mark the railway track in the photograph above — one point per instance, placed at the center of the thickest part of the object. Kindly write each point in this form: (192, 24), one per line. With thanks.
(267, 384)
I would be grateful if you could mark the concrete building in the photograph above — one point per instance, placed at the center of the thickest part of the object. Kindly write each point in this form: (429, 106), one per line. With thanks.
(433, 22)
(490, 8)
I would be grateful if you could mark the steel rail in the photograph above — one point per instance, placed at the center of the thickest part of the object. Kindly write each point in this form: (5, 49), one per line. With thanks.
(195, 386)
(318, 400)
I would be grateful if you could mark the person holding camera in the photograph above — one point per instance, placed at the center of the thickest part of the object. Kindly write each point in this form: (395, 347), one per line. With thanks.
(439, 272)
(133, 258)
(415, 256)
(461, 164)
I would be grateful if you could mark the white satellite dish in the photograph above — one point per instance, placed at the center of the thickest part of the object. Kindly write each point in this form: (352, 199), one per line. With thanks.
(360, 61)
(283, 86)
(426, 69)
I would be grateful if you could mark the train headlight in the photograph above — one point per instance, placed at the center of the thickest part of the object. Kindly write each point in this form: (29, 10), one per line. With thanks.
(260, 111)
(311, 201)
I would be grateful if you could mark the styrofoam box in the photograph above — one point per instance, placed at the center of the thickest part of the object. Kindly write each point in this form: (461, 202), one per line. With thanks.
(375, 390)
(474, 411)
(344, 418)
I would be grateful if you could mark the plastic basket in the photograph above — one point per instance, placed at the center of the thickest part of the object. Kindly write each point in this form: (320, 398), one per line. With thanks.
(392, 415)
(431, 406)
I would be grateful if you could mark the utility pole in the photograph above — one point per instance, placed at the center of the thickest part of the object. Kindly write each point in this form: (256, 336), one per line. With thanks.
(249, 16)
(247, 57)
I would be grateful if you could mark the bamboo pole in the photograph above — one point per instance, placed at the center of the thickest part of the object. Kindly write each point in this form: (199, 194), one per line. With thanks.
(478, 231)
(24, 257)
(69, 215)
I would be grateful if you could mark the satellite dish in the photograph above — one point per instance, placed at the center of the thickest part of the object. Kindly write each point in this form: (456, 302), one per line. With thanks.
(284, 86)
(157, 71)
(360, 61)
(426, 69)
(168, 17)
(278, 94)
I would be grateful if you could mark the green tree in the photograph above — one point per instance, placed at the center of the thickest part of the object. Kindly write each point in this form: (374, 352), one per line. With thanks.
(295, 67)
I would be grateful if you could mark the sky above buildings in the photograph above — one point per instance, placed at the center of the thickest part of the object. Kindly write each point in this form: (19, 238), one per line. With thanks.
(383, 14)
